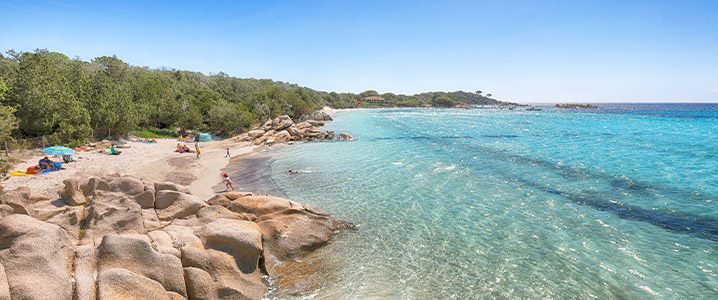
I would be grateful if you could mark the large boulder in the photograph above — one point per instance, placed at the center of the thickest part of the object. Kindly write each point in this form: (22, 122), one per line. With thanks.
(70, 219)
(244, 137)
(236, 195)
(164, 243)
(129, 253)
(122, 284)
(282, 136)
(93, 184)
(345, 137)
(37, 258)
(171, 186)
(304, 125)
(267, 125)
(6, 210)
(173, 275)
(4, 287)
(127, 185)
(255, 134)
(269, 133)
(282, 122)
(215, 212)
(85, 272)
(291, 233)
(218, 199)
(262, 205)
(71, 192)
(110, 213)
(18, 199)
(145, 199)
(200, 285)
(233, 249)
(294, 131)
(173, 205)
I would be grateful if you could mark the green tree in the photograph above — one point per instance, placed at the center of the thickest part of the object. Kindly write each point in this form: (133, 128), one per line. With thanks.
(8, 122)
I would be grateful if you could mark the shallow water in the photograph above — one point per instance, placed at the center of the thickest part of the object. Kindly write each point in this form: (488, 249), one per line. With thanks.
(475, 204)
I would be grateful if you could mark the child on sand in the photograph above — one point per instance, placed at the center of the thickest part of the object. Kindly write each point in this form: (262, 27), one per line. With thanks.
(227, 182)
(228, 153)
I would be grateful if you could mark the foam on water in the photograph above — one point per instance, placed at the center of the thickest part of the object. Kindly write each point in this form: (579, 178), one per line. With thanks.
(474, 204)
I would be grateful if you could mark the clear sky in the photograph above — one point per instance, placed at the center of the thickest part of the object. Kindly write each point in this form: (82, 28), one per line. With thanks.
(522, 51)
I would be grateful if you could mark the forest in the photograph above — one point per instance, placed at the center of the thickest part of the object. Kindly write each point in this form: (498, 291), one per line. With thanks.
(70, 101)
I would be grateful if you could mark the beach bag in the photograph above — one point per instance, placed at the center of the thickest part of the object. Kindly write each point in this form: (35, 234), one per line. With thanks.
(58, 165)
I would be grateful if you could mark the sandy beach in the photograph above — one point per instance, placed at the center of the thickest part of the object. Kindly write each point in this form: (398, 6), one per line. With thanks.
(157, 162)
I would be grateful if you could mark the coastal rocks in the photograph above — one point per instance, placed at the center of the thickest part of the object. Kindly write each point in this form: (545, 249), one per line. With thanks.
(37, 258)
(71, 193)
(319, 116)
(200, 285)
(136, 239)
(85, 273)
(345, 137)
(291, 233)
(174, 205)
(233, 249)
(283, 130)
(261, 205)
(581, 106)
(112, 213)
(124, 284)
(18, 199)
(94, 184)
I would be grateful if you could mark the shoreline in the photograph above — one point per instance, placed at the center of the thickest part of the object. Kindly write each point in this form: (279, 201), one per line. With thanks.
(259, 219)
(153, 161)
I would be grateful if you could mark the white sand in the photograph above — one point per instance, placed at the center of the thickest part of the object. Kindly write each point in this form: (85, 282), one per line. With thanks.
(156, 162)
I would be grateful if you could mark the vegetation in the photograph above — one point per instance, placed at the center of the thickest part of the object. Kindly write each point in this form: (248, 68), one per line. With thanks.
(70, 101)
(155, 133)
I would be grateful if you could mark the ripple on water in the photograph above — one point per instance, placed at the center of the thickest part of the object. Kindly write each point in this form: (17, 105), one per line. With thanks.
(554, 205)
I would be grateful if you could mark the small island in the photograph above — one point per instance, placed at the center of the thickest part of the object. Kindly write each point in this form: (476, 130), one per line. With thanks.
(582, 106)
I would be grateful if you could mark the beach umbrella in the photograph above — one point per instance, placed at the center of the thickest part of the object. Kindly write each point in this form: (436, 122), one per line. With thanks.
(58, 150)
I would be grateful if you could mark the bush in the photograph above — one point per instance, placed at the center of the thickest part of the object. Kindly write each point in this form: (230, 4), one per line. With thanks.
(6, 164)
(155, 133)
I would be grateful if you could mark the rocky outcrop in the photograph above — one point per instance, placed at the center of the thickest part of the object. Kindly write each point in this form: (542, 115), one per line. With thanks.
(345, 137)
(121, 237)
(581, 106)
(37, 258)
(319, 116)
(71, 193)
(282, 130)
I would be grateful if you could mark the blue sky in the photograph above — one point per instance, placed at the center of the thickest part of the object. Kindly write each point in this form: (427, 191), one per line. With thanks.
(522, 51)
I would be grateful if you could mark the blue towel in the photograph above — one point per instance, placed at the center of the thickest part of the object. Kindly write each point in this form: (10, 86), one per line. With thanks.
(145, 142)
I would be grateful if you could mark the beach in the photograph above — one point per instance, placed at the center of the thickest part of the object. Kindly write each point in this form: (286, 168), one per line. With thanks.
(158, 162)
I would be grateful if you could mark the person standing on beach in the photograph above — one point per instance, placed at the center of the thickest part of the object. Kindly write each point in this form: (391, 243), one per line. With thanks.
(196, 147)
(228, 154)
(227, 182)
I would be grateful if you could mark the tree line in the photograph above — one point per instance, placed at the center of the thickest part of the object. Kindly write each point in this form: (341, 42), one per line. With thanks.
(44, 93)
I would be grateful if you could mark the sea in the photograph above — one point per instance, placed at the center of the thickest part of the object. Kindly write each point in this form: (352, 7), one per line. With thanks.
(612, 203)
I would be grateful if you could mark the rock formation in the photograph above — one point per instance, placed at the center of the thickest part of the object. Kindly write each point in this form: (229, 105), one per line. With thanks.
(122, 237)
(282, 129)
(319, 116)
(581, 106)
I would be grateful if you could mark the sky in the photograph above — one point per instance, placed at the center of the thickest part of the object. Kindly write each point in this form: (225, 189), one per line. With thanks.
(520, 51)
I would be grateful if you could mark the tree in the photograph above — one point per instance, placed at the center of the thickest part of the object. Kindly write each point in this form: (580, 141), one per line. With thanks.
(223, 117)
(8, 122)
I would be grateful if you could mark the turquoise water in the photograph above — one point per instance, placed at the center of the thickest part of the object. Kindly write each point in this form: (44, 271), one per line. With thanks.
(483, 204)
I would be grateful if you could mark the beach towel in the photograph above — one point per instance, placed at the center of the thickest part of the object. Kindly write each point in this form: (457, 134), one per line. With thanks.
(47, 171)
(147, 142)
(21, 173)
